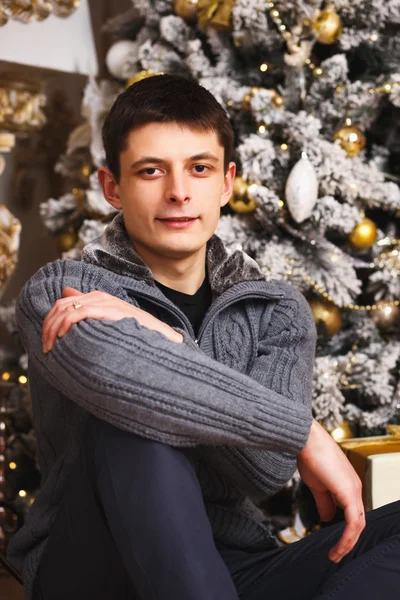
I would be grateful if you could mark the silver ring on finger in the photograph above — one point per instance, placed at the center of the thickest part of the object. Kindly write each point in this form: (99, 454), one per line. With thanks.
(76, 304)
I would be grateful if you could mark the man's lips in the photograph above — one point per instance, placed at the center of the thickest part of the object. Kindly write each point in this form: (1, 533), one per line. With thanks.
(177, 219)
(178, 222)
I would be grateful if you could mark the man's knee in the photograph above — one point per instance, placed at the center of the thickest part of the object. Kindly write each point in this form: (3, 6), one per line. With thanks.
(386, 518)
(102, 437)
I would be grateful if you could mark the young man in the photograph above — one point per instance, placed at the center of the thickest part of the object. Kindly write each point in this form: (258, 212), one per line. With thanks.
(171, 387)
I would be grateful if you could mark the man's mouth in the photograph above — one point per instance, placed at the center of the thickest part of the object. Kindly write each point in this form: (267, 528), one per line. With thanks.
(179, 219)
(178, 222)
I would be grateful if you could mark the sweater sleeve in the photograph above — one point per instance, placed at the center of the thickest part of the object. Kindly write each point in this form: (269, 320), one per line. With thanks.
(288, 343)
(138, 380)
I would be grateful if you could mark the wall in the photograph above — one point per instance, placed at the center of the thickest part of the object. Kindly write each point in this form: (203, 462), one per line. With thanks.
(63, 44)
(37, 246)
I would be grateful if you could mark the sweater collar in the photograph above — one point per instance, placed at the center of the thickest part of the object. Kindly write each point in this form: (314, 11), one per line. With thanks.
(114, 251)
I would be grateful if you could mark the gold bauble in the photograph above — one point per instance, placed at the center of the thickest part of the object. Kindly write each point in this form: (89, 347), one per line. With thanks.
(352, 139)
(364, 234)
(327, 27)
(385, 318)
(342, 432)
(141, 75)
(186, 9)
(242, 202)
(328, 313)
(67, 240)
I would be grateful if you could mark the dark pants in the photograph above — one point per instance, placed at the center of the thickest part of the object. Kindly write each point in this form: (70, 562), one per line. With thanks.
(132, 525)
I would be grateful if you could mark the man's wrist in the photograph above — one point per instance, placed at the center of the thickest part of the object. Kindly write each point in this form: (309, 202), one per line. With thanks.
(311, 436)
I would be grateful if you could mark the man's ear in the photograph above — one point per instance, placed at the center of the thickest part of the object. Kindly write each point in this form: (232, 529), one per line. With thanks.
(110, 187)
(228, 183)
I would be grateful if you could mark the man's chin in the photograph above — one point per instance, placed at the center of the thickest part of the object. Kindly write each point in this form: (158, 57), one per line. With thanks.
(179, 246)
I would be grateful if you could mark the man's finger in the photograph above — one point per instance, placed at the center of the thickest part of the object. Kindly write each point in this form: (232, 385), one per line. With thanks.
(69, 291)
(325, 504)
(57, 309)
(355, 522)
(62, 321)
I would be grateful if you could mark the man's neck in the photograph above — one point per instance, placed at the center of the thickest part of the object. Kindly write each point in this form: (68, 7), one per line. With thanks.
(183, 275)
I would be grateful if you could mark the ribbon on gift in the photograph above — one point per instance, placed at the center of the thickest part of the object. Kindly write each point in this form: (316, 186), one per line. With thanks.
(217, 13)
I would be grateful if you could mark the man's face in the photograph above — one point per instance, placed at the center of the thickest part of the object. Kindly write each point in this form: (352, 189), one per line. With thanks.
(167, 171)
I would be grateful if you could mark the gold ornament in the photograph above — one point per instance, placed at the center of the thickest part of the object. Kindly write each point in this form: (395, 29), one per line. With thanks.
(327, 27)
(385, 318)
(10, 230)
(64, 8)
(37, 10)
(342, 432)
(328, 313)
(217, 13)
(186, 9)
(352, 139)
(242, 201)
(21, 106)
(66, 240)
(141, 75)
(364, 234)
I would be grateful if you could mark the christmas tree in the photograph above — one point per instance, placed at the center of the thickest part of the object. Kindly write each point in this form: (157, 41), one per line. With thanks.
(313, 93)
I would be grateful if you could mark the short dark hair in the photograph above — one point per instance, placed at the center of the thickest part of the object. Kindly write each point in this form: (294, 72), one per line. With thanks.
(164, 99)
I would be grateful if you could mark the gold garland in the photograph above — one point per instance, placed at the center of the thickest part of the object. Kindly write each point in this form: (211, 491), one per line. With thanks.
(35, 10)
(367, 307)
(386, 88)
(292, 43)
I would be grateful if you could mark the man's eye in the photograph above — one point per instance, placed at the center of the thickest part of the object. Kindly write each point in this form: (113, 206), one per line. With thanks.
(201, 168)
(149, 171)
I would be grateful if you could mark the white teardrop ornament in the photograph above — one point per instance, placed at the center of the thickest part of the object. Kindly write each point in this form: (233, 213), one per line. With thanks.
(301, 189)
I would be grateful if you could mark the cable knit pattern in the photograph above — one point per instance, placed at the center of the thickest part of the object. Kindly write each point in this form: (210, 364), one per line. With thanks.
(241, 399)
(235, 338)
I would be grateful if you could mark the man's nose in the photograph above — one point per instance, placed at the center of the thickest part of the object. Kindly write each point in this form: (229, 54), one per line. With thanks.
(178, 187)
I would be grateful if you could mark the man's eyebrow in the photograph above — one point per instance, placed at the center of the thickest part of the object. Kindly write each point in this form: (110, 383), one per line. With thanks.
(204, 156)
(158, 161)
(147, 159)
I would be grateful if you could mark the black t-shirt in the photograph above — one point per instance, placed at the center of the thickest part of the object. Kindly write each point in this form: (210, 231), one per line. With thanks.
(193, 305)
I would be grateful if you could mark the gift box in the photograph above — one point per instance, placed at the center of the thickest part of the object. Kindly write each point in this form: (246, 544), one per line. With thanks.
(377, 462)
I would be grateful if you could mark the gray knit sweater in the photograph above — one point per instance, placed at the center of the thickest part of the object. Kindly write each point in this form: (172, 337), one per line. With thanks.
(240, 394)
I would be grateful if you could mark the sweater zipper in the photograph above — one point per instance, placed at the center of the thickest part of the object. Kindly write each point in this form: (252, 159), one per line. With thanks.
(214, 310)
(210, 314)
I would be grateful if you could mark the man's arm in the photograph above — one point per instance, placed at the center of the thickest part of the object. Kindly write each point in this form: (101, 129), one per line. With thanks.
(289, 331)
(140, 381)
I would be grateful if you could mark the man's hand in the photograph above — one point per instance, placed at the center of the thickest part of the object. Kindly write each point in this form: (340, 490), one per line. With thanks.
(96, 305)
(331, 478)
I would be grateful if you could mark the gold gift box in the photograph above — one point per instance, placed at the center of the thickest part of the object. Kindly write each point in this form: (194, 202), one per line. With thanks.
(374, 470)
